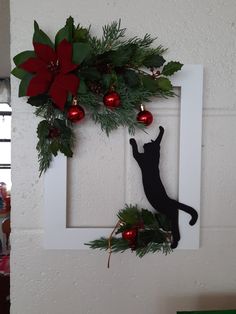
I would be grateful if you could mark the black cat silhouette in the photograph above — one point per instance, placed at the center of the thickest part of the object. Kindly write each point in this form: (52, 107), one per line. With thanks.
(155, 190)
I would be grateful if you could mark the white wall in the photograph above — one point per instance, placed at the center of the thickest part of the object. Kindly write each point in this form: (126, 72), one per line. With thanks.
(59, 282)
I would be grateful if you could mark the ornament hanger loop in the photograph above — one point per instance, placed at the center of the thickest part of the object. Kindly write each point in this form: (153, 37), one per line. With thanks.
(75, 101)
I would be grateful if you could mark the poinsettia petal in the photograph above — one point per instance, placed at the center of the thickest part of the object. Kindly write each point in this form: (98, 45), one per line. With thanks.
(64, 50)
(39, 84)
(58, 94)
(64, 54)
(45, 53)
(32, 65)
(69, 82)
(68, 67)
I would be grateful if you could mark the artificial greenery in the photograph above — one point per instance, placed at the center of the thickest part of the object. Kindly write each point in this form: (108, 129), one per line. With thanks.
(153, 233)
(132, 67)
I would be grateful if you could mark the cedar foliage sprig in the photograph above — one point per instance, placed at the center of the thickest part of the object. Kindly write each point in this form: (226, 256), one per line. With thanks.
(55, 133)
(153, 233)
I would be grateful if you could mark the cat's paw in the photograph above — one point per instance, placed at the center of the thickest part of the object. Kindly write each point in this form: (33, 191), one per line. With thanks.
(132, 141)
(161, 128)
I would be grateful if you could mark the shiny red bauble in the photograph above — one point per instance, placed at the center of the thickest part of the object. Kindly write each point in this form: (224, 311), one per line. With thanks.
(129, 235)
(75, 113)
(112, 100)
(145, 117)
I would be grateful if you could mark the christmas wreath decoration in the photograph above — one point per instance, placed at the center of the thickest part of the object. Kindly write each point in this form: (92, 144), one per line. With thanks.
(141, 231)
(107, 79)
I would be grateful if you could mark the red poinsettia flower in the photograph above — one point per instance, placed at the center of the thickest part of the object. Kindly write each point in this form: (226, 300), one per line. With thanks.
(52, 69)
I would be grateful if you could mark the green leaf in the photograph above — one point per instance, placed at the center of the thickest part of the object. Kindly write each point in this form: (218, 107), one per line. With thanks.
(66, 32)
(24, 85)
(65, 149)
(38, 100)
(80, 52)
(40, 37)
(164, 84)
(71, 27)
(82, 87)
(148, 217)
(149, 83)
(122, 55)
(62, 34)
(131, 78)
(43, 129)
(171, 67)
(23, 56)
(19, 73)
(54, 147)
(154, 61)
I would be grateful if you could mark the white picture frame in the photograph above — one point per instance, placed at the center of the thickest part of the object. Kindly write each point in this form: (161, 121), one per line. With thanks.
(56, 233)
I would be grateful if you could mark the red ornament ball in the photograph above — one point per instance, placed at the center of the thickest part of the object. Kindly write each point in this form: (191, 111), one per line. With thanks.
(75, 113)
(112, 100)
(129, 235)
(145, 117)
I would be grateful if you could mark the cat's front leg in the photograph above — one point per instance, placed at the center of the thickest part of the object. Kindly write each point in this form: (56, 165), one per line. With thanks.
(134, 145)
(160, 135)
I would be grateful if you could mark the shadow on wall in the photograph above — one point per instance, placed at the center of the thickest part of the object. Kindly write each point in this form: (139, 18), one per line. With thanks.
(206, 302)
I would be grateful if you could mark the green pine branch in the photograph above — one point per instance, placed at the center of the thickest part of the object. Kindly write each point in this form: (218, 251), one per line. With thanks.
(153, 233)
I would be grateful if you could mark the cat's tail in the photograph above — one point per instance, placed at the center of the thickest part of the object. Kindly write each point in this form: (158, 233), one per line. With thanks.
(191, 211)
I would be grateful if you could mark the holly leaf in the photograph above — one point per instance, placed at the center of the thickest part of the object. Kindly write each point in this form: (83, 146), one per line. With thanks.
(153, 61)
(43, 129)
(19, 73)
(24, 85)
(171, 67)
(38, 100)
(23, 56)
(164, 84)
(149, 83)
(148, 217)
(40, 37)
(80, 52)
(131, 78)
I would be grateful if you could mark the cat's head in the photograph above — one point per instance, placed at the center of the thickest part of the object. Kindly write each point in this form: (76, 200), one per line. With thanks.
(151, 147)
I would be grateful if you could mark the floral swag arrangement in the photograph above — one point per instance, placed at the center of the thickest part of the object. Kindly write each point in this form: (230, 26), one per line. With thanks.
(107, 79)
